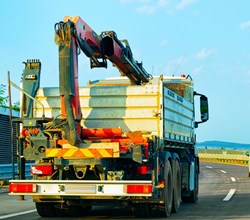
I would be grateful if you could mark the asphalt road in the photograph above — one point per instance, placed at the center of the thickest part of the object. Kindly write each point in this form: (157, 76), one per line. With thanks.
(224, 194)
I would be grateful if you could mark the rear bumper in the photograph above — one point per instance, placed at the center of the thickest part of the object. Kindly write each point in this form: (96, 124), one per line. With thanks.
(83, 189)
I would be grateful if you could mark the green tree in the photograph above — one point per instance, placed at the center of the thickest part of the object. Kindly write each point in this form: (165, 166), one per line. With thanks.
(16, 106)
(3, 98)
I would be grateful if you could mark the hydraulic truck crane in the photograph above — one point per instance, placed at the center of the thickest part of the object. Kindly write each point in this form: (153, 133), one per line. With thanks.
(70, 35)
(128, 139)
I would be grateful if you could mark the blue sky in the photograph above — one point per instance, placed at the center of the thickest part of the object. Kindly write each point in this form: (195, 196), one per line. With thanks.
(207, 39)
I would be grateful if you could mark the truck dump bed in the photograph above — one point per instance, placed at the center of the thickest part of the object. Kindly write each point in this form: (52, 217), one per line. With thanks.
(164, 107)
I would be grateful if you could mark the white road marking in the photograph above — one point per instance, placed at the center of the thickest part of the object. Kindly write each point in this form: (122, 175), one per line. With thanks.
(233, 179)
(17, 214)
(229, 195)
(223, 171)
(209, 167)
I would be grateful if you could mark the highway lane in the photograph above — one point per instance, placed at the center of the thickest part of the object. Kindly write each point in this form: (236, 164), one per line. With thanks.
(224, 194)
(216, 181)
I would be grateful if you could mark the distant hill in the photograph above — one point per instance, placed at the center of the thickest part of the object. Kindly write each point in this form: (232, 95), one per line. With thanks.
(223, 145)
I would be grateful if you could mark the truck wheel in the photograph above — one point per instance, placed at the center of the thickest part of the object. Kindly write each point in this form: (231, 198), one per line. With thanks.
(46, 209)
(164, 210)
(168, 188)
(176, 186)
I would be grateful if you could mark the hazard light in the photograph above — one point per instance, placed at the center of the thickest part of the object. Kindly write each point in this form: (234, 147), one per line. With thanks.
(135, 188)
(41, 170)
(22, 188)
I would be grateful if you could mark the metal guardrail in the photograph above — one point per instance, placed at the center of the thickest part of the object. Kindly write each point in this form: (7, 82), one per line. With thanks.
(225, 158)
(6, 170)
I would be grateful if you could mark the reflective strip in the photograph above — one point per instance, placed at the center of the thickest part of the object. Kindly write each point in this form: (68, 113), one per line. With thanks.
(104, 153)
(79, 153)
(51, 152)
(88, 153)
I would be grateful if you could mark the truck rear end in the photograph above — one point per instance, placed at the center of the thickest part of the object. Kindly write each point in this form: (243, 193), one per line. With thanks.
(136, 147)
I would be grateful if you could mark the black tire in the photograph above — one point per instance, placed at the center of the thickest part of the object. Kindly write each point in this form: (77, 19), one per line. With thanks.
(176, 186)
(46, 209)
(164, 210)
(168, 189)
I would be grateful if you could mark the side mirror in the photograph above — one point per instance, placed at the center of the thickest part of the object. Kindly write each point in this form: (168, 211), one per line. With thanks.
(203, 109)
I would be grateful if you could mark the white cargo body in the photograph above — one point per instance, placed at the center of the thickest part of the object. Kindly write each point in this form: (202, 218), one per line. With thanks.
(164, 107)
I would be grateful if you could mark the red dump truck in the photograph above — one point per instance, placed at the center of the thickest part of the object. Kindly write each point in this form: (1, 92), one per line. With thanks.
(129, 139)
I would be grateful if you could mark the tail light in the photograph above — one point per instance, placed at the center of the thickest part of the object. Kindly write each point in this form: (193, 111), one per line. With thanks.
(41, 170)
(22, 188)
(135, 188)
(143, 170)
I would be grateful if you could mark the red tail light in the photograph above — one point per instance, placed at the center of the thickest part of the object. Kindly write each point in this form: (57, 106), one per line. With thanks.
(41, 170)
(144, 170)
(139, 188)
(22, 188)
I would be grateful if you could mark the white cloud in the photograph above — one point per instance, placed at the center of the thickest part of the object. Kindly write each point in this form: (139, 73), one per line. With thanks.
(147, 9)
(184, 3)
(151, 8)
(161, 3)
(204, 53)
(245, 25)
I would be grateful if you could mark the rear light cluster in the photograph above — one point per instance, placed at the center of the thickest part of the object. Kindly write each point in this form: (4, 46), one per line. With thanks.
(136, 188)
(22, 188)
(143, 170)
(41, 170)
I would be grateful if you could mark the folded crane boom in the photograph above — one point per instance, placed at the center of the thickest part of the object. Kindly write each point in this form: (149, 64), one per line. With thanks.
(99, 48)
